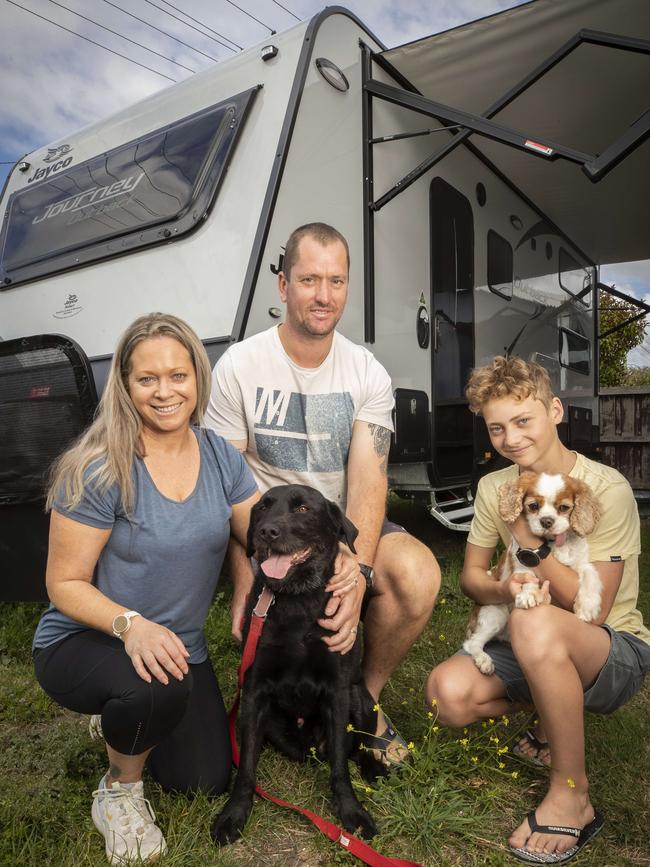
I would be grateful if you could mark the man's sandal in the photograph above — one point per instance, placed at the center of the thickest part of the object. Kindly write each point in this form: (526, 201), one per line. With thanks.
(382, 744)
(584, 835)
(534, 743)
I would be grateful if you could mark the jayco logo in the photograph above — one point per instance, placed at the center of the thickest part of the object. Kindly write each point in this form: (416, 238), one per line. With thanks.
(58, 158)
(90, 197)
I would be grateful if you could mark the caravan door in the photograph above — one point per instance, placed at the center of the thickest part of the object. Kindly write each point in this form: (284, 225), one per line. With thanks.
(452, 355)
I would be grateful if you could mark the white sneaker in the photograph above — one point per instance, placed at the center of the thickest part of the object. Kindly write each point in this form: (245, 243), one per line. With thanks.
(127, 820)
(95, 727)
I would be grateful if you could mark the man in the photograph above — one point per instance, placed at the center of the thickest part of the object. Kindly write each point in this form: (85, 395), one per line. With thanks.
(555, 661)
(307, 406)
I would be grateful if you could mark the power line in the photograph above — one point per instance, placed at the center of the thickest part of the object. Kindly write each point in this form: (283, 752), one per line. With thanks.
(196, 20)
(160, 9)
(92, 41)
(164, 32)
(250, 16)
(286, 10)
(115, 33)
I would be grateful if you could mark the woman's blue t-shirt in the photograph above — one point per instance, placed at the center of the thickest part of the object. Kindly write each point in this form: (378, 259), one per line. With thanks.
(164, 560)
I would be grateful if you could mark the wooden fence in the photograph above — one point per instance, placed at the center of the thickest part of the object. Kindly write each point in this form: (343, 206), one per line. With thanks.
(625, 433)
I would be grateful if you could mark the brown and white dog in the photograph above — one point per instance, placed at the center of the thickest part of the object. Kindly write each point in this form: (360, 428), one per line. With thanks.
(561, 510)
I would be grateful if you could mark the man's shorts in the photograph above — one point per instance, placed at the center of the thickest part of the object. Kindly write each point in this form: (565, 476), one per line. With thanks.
(620, 678)
(389, 527)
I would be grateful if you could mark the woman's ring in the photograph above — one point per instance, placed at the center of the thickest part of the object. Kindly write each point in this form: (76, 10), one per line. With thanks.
(353, 631)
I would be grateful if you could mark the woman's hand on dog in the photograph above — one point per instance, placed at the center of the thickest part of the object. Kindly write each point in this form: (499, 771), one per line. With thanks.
(343, 610)
(154, 649)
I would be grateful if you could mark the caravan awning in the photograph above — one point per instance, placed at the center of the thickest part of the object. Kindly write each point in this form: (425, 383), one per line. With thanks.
(585, 102)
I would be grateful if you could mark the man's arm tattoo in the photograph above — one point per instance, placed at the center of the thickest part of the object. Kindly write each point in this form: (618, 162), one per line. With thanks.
(381, 441)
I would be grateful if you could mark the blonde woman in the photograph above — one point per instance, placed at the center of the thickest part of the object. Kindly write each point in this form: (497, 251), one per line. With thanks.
(143, 506)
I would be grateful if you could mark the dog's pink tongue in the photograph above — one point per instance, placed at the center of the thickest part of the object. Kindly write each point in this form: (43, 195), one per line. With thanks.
(276, 566)
(560, 539)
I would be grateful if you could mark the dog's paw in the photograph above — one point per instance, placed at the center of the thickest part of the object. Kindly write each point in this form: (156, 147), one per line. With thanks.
(357, 820)
(484, 662)
(228, 825)
(526, 598)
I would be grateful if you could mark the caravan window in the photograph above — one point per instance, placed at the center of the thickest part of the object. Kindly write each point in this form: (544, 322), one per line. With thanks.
(499, 265)
(575, 351)
(574, 279)
(151, 189)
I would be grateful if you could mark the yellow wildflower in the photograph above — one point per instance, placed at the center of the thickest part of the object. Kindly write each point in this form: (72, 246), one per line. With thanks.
(376, 707)
(435, 728)
(434, 702)
(441, 636)
(514, 775)
(491, 721)
(464, 741)
(410, 745)
(502, 750)
(429, 714)
(501, 765)
(475, 759)
(505, 720)
(349, 728)
(442, 601)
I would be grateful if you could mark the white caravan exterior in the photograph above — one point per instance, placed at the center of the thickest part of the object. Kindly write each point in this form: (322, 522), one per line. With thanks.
(464, 266)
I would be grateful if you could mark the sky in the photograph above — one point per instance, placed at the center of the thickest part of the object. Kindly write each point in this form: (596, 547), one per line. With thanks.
(54, 82)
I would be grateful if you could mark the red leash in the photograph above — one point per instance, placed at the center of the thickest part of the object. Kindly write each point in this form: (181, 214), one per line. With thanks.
(338, 835)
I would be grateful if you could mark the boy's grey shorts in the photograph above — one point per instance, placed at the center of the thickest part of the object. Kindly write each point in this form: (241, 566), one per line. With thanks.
(620, 678)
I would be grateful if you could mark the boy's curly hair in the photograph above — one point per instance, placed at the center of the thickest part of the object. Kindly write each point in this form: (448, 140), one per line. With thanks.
(508, 377)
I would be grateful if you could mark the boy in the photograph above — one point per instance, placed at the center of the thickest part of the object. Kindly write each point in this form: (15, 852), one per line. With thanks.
(555, 661)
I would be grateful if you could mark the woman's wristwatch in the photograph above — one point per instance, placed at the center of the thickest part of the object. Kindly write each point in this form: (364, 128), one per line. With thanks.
(369, 574)
(122, 623)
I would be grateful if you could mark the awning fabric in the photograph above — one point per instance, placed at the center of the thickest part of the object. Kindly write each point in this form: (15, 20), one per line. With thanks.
(585, 102)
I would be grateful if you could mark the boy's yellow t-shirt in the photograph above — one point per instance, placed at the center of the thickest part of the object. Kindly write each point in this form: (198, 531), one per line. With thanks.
(617, 535)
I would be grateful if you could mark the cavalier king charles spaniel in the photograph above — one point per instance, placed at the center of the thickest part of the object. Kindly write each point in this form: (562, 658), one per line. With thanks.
(562, 511)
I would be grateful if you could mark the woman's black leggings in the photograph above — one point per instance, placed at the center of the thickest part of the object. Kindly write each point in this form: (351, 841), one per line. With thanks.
(185, 722)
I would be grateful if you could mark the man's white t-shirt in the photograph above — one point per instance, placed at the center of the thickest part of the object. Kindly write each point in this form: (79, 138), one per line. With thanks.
(298, 421)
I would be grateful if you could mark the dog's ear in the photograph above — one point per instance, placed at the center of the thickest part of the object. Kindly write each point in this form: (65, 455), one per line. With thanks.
(346, 530)
(586, 509)
(250, 546)
(511, 497)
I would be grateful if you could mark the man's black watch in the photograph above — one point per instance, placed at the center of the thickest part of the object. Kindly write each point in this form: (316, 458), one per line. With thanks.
(369, 574)
(532, 557)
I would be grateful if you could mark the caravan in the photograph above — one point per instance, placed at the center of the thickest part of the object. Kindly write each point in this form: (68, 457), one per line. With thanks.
(472, 232)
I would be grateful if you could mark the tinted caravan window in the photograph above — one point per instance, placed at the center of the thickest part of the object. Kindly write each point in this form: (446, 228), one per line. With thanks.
(148, 190)
(574, 279)
(499, 265)
(575, 351)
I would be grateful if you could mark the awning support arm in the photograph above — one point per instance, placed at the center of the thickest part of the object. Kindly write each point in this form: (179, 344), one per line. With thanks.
(630, 299)
(595, 167)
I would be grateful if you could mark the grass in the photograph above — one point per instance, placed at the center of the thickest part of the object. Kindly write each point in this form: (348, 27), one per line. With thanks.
(453, 804)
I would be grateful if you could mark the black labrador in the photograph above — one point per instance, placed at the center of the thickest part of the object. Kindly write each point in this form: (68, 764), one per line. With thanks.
(298, 694)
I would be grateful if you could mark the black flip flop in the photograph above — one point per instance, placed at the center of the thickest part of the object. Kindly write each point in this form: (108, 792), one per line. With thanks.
(381, 742)
(584, 835)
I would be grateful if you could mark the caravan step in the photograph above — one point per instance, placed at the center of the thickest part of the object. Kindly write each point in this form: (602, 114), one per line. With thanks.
(453, 508)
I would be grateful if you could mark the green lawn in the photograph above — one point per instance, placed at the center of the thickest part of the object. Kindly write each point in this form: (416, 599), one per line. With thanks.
(454, 803)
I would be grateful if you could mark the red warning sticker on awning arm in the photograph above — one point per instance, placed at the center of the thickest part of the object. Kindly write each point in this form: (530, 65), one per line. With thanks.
(540, 148)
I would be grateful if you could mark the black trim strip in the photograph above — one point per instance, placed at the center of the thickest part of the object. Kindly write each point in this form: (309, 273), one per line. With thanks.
(368, 192)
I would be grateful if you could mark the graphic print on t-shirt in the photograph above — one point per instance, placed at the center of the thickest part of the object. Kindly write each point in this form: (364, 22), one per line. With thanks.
(303, 432)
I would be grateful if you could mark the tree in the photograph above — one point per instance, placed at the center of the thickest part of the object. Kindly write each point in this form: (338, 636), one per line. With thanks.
(637, 377)
(614, 349)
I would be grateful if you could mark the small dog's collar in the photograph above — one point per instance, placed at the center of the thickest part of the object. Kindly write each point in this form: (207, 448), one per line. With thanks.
(264, 602)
